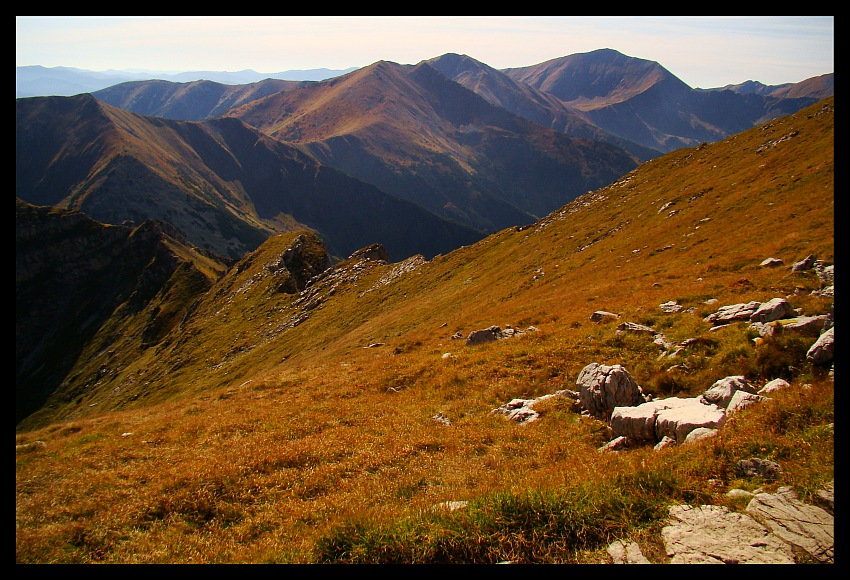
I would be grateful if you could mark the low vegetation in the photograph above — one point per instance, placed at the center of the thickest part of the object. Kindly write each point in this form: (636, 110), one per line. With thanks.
(364, 433)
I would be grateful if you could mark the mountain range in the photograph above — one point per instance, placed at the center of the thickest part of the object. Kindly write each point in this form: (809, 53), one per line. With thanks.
(446, 151)
(63, 81)
(292, 406)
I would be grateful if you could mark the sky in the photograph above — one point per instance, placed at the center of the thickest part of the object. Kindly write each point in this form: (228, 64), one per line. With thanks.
(702, 51)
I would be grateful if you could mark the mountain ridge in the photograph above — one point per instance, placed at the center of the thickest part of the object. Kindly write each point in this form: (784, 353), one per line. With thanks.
(222, 183)
(297, 411)
(415, 134)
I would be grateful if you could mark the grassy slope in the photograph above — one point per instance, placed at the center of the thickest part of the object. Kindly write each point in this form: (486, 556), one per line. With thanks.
(297, 444)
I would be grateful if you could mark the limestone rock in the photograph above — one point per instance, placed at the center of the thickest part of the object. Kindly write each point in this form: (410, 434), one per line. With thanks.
(774, 385)
(623, 553)
(603, 316)
(689, 414)
(720, 393)
(715, 535)
(699, 434)
(822, 350)
(755, 467)
(733, 313)
(804, 526)
(603, 387)
(805, 264)
(742, 400)
(774, 309)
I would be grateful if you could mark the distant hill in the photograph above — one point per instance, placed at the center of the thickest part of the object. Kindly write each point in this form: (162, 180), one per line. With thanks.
(225, 185)
(641, 101)
(39, 81)
(418, 135)
(190, 101)
(818, 88)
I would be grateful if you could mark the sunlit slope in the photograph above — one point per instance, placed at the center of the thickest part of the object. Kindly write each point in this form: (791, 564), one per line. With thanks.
(692, 225)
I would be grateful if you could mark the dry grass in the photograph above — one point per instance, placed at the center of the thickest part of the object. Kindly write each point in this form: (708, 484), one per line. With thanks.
(238, 440)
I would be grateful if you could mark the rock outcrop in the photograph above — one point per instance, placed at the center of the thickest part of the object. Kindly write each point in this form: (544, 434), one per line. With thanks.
(602, 388)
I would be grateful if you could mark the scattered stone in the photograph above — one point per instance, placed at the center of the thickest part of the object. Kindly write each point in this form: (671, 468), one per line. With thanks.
(670, 307)
(771, 310)
(665, 442)
(634, 327)
(616, 444)
(742, 400)
(623, 553)
(732, 313)
(805, 325)
(522, 410)
(699, 434)
(720, 393)
(772, 263)
(689, 414)
(494, 333)
(452, 505)
(805, 264)
(828, 292)
(774, 385)
(826, 274)
(603, 316)
(822, 350)
(442, 419)
(755, 467)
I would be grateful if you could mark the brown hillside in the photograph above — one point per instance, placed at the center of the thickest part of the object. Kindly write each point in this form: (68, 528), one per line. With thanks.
(419, 136)
(295, 417)
(225, 185)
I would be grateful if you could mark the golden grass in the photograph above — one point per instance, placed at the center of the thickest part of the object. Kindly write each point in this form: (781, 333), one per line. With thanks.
(238, 439)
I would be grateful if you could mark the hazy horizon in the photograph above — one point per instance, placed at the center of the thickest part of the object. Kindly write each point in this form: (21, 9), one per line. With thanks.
(702, 51)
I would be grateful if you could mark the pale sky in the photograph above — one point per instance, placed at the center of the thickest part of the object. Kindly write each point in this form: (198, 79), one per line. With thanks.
(702, 51)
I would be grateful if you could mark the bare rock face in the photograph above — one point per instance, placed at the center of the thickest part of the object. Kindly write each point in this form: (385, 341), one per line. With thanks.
(373, 252)
(803, 526)
(711, 534)
(603, 387)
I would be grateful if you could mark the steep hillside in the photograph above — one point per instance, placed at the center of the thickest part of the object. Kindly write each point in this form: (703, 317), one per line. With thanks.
(82, 287)
(192, 101)
(641, 101)
(226, 186)
(300, 413)
(417, 135)
(524, 100)
(818, 88)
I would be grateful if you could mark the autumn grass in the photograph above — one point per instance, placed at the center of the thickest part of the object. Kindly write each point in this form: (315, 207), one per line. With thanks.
(236, 438)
